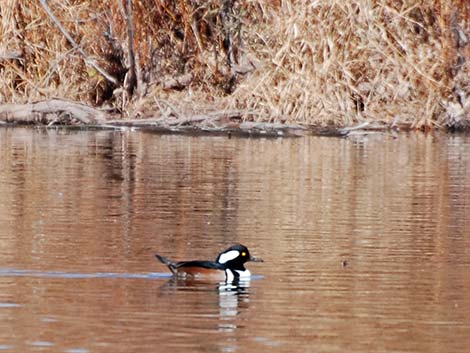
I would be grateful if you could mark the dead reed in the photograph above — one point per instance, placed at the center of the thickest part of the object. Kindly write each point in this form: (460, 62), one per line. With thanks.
(324, 62)
(339, 62)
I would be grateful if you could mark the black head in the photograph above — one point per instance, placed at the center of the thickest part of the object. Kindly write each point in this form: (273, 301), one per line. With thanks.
(235, 257)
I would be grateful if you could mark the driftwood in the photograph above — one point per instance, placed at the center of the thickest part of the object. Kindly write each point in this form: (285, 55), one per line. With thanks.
(365, 128)
(59, 112)
(217, 123)
(51, 112)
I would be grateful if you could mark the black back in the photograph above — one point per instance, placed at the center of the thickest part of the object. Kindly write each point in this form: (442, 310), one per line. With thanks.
(203, 264)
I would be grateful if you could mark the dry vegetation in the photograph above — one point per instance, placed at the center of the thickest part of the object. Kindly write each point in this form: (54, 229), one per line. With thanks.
(325, 62)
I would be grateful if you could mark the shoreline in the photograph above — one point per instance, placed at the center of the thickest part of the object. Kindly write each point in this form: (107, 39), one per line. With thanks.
(283, 67)
(63, 113)
(69, 114)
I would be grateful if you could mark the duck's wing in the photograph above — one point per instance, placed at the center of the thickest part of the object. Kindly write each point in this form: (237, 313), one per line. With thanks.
(197, 263)
(174, 266)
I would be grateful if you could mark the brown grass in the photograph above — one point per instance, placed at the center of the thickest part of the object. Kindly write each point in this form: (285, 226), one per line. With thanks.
(342, 62)
(312, 62)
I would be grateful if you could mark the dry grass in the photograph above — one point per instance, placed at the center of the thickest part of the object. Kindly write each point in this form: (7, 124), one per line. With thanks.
(171, 38)
(47, 65)
(342, 62)
(317, 62)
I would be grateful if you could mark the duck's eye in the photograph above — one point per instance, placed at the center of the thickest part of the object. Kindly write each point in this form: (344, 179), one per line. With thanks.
(243, 253)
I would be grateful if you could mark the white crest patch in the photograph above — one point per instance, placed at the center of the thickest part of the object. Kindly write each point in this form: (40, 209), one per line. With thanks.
(229, 255)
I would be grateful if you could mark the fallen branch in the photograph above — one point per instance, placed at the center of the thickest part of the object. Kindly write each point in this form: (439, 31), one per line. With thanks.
(365, 127)
(51, 111)
(66, 113)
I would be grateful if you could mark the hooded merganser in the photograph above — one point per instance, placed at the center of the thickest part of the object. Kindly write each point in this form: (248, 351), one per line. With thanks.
(228, 266)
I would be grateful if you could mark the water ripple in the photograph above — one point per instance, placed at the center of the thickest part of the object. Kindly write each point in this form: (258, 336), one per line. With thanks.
(61, 274)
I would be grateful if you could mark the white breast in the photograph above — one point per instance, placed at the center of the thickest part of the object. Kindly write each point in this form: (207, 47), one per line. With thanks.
(229, 277)
(244, 275)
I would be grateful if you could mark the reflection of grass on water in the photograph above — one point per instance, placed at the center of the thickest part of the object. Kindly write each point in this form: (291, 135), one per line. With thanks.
(311, 62)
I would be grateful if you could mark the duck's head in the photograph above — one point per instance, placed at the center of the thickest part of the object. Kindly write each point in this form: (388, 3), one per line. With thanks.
(235, 257)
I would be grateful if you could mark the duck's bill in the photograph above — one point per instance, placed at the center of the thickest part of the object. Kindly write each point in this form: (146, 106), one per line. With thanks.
(256, 259)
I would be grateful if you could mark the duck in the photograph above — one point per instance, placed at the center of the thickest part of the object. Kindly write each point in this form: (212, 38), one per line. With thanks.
(229, 265)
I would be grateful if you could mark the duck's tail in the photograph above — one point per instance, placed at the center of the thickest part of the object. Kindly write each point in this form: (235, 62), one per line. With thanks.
(171, 265)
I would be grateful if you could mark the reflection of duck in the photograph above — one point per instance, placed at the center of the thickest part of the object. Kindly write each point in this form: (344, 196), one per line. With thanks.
(230, 297)
(219, 306)
(229, 265)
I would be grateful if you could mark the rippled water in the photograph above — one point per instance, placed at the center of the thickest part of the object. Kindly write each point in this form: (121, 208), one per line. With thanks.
(366, 242)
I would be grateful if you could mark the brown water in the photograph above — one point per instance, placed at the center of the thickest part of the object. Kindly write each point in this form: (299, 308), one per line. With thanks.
(366, 242)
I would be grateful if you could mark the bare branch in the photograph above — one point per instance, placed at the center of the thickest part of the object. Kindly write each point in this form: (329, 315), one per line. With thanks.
(77, 47)
(132, 79)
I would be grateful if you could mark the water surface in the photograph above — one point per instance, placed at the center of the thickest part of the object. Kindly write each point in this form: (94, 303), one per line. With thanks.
(366, 242)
